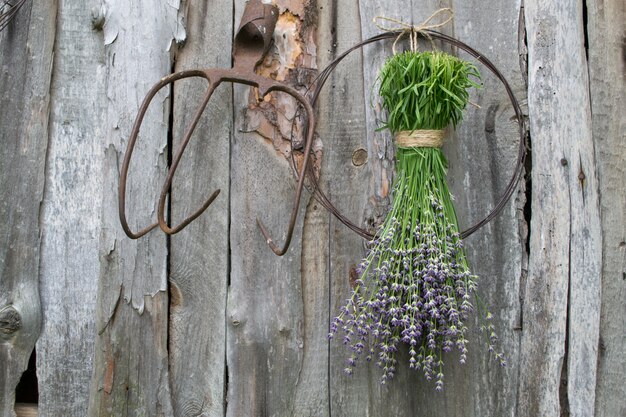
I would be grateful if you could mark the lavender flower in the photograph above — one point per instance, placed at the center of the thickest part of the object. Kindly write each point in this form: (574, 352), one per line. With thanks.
(414, 288)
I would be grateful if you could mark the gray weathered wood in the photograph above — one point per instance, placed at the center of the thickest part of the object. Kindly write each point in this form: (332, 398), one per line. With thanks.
(605, 25)
(265, 303)
(70, 219)
(131, 373)
(342, 132)
(258, 346)
(482, 155)
(562, 295)
(26, 60)
(312, 389)
(199, 254)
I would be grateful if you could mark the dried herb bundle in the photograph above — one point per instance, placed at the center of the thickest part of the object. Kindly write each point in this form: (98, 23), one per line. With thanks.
(414, 284)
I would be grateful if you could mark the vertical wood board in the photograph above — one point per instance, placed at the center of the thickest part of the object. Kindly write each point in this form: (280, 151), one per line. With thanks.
(199, 255)
(26, 53)
(607, 67)
(342, 131)
(265, 302)
(70, 219)
(482, 154)
(132, 311)
(563, 289)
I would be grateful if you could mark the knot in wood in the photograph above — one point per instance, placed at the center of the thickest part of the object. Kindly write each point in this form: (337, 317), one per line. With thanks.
(359, 157)
(10, 320)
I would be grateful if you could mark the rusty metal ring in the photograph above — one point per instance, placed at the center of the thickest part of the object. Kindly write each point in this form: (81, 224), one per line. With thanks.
(320, 80)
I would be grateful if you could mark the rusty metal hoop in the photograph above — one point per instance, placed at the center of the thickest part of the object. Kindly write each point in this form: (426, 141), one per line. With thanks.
(322, 77)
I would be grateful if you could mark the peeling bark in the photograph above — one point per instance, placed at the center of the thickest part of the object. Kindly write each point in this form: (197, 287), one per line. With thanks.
(277, 117)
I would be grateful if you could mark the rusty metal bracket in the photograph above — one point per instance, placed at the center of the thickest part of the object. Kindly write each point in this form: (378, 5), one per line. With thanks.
(252, 42)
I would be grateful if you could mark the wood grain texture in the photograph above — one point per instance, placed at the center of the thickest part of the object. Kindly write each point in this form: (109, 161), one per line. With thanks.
(70, 219)
(26, 410)
(313, 390)
(265, 307)
(606, 28)
(199, 255)
(341, 128)
(131, 354)
(361, 193)
(264, 334)
(482, 154)
(562, 295)
(26, 58)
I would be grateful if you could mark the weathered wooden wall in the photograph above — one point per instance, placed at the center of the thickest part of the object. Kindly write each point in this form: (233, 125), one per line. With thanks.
(209, 322)
(26, 56)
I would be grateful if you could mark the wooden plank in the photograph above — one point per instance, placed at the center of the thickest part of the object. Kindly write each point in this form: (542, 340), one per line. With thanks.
(605, 26)
(562, 295)
(482, 154)
(26, 410)
(343, 129)
(70, 221)
(131, 375)
(26, 55)
(265, 304)
(312, 394)
(330, 249)
(199, 255)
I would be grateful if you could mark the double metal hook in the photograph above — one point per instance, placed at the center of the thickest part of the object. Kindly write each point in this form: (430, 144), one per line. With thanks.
(252, 42)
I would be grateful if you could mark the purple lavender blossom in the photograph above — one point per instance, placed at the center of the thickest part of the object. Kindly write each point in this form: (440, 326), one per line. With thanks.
(414, 288)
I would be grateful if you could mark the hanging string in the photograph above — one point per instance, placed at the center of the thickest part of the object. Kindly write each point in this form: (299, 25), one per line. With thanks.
(414, 31)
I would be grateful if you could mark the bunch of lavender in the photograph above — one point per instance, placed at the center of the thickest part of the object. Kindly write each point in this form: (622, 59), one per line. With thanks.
(414, 286)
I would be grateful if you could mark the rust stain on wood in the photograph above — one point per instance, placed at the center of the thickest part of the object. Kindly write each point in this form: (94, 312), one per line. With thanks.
(354, 275)
(176, 295)
(109, 372)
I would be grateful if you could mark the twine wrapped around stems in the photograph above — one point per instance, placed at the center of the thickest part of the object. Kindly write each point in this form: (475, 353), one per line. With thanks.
(422, 138)
(412, 31)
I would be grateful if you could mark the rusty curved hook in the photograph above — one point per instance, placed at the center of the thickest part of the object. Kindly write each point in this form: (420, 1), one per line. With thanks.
(265, 86)
(251, 44)
(134, 134)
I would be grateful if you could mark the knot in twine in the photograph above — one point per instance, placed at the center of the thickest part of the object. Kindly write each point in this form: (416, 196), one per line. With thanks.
(412, 31)
(420, 138)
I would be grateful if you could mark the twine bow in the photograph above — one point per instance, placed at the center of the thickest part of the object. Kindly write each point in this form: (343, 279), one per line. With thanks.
(412, 30)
